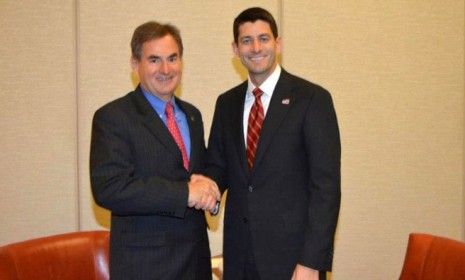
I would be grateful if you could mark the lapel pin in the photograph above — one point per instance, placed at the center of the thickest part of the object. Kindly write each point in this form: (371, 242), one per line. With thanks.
(285, 101)
(192, 118)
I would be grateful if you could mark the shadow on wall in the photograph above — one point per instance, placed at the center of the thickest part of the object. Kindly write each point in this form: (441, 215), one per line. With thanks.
(239, 68)
(102, 216)
(214, 221)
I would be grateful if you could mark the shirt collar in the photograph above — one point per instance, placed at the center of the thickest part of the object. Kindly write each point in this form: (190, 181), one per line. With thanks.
(157, 103)
(268, 85)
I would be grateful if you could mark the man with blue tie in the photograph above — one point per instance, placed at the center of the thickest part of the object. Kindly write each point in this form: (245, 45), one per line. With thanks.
(146, 149)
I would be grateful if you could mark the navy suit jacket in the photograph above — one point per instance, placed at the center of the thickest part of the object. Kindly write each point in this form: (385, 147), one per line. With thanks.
(137, 173)
(287, 206)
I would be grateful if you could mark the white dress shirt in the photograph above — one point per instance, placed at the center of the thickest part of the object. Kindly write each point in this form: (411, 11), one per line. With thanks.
(267, 87)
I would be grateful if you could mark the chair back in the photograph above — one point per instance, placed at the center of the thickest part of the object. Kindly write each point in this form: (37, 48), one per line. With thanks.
(70, 256)
(431, 257)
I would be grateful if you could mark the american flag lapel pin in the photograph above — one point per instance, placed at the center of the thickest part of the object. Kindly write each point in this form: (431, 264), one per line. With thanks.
(285, 101)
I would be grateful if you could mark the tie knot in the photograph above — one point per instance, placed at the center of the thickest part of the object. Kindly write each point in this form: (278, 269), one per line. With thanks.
(169, 108)
(257, 92)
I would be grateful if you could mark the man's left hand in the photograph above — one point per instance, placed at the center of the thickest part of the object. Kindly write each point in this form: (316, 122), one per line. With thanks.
(305, 273)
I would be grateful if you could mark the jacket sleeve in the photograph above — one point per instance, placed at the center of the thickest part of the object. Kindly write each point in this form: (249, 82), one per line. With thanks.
(115, 183)
(323, 147)
(216, 161)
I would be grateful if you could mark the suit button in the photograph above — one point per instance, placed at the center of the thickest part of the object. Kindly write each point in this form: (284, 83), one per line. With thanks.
(244, 220)
(250, 188)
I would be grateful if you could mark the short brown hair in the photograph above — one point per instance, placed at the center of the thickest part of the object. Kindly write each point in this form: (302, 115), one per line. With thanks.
(153, 30)
(252, 15)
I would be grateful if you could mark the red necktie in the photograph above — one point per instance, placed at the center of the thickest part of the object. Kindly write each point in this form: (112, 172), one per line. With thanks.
(254, 127)
(174, 130)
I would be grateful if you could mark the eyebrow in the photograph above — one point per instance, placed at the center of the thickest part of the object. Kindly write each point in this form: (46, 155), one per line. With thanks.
(173, 55)
(258, 36)
(159, 57)
(153, 57)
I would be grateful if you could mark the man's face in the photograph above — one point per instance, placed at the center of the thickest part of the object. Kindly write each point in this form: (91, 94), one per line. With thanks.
(160, 67)
(258, 49)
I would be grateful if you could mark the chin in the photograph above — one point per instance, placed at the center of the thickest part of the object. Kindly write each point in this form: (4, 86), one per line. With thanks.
(258, 71)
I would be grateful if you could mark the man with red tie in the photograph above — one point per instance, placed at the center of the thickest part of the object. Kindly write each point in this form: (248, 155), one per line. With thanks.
(274, 144)
(146, 148)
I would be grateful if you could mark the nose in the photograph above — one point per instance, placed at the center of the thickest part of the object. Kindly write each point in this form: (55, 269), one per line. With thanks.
(256, 47)
(164, 67)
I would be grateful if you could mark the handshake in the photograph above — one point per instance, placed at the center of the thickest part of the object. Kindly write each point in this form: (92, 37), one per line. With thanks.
(203, 194)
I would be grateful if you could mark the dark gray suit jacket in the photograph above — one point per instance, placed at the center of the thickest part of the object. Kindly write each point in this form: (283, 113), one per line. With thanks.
(287, 206)
(137, 173)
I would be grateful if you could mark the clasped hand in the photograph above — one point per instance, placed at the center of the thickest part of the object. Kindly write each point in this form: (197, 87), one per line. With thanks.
(305, 273)
(203, 193)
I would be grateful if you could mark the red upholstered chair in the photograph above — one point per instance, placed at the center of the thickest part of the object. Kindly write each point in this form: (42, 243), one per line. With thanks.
(77, 255)
(431, 257)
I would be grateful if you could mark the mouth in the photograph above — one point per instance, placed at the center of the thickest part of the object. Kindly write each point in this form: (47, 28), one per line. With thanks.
(163, 79)
(257, 58)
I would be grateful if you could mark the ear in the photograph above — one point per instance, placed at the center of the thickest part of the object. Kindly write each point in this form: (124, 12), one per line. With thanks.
(279, 45)
(235, 48)
(134, 64)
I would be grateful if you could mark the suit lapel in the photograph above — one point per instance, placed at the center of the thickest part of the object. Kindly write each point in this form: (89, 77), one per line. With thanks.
(154, 124)
(280, 103)
(237, 117)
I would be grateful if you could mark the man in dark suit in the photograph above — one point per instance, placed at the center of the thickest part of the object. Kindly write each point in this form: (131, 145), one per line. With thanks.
(274, 143)
(144, 148)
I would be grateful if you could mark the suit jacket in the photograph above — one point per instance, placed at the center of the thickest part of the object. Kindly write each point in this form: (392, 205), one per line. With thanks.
(287, 206)
(137, 173)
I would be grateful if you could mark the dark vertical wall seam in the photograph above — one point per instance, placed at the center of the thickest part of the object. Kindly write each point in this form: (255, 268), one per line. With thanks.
(76, 47)
(463, 135)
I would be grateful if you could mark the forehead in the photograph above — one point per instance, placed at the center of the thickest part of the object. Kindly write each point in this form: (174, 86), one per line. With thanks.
(164, 46)
(257, 27)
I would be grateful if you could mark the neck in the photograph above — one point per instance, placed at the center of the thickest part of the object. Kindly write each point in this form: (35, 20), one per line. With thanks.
(163, 97)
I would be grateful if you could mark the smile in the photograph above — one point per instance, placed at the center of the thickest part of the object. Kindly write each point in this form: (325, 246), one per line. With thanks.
(257, 58)
(163, 78)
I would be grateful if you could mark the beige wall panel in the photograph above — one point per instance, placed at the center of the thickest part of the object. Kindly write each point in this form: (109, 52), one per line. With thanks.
(105, 30)
(37, 119)
(396, 73)
(463, 126)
